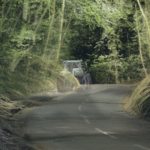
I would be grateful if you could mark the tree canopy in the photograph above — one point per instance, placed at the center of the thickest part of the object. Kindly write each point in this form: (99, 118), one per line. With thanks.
(109, 35)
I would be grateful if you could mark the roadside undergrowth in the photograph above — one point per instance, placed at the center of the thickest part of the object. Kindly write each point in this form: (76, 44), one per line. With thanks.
(139, 102)
(37, 77)
(9, 138)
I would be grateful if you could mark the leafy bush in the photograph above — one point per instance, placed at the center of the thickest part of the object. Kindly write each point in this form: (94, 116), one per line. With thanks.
(131, 69)
(108, 69)
(100, 71)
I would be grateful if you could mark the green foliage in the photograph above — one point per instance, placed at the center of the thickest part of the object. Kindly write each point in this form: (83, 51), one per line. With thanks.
(109, 69)
(127, 36)
(112, 33)
(139, 101)
(102, 33)
(84, 41)
(23, 33)
(102, 70)
(131, 69)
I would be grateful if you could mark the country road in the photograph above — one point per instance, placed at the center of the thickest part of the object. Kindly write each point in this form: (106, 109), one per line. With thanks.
(90, 119)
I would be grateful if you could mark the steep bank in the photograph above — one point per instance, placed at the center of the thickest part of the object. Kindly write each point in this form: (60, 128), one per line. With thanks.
(9, 138)
(139, 102)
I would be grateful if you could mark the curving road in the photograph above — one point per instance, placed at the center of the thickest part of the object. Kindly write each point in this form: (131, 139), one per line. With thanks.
(91, 119)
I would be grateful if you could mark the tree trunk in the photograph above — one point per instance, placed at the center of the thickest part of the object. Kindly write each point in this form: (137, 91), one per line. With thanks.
(145, 18)
(140, 48)
(25, 9)
(60, 31)
(50, 27)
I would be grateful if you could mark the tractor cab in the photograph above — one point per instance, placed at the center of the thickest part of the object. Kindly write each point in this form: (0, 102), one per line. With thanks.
(75, 67)
(66, 81)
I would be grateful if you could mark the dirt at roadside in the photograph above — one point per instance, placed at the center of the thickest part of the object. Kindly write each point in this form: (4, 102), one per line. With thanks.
(9, 138)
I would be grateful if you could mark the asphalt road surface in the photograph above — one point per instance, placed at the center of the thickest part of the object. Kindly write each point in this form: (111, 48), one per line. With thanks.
(90, 119)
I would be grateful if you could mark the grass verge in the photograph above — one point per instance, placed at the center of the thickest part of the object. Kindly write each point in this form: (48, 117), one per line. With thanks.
(139, 102)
